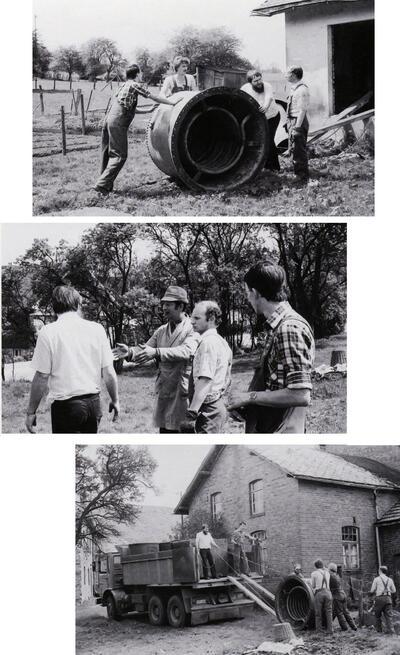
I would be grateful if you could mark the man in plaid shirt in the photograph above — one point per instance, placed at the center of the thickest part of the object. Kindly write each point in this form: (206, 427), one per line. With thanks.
(281, 387)
(114, 138)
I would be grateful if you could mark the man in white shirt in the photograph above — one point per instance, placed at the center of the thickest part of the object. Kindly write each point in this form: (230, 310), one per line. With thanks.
(297, 122)
(320, 579)
(204, 541)
(211, 373)
(383, 588)
(262, 91)
(70, 358)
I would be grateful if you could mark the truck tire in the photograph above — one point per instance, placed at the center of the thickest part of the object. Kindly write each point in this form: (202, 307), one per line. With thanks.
(156, 611)
(112, 611)
(176, 612)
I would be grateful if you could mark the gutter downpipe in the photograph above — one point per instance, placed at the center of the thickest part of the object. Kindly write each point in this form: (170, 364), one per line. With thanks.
(377, 539)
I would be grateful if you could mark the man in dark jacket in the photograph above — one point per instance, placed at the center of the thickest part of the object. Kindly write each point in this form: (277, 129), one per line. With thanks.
(339, 600)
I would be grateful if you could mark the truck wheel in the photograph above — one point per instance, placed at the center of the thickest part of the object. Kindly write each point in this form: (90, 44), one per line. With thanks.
(112, 611)
(176, 612)
(156, 611)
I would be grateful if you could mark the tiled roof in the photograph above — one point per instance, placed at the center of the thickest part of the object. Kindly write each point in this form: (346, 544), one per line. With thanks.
(271, 7)
(392, 515)
(313, 463)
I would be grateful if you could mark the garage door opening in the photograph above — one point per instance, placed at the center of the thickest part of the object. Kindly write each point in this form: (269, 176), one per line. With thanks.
(353, 63)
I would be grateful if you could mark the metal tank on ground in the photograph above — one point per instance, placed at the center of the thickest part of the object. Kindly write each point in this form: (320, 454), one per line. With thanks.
(212, 140)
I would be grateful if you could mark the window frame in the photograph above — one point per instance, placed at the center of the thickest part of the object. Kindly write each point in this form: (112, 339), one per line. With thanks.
(252, 498)
(217, 495)
(347, 542)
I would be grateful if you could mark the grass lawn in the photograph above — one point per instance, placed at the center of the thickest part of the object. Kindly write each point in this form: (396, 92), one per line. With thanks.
(326, 414)
(63, 184)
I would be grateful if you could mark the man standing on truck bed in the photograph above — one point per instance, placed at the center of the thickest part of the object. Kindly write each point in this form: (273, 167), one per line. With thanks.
(172, 347)
(204, 541)
(71, 356)
(239, 537)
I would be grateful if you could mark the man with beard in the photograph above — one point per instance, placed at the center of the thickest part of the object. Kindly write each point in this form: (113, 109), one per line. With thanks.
(172, 347)
(262, 91)
(281, 386)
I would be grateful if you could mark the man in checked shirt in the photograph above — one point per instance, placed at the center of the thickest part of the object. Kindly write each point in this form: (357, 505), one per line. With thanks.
(281, 386)
(114, 138)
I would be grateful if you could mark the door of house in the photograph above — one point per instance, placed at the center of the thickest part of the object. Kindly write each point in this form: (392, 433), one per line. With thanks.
(352, 63)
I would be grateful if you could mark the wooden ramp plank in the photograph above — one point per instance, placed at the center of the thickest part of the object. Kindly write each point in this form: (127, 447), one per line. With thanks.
(252, 596)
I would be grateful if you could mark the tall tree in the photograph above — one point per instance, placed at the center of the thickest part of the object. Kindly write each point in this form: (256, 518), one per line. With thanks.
(68, 60)
(109, 489)
(18, 303)
(144, 60)
(314, 258)
(41, 56)
(101, 55)
(209, 47)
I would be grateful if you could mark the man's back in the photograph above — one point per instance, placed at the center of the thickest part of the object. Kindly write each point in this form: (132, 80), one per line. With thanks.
(73, 351)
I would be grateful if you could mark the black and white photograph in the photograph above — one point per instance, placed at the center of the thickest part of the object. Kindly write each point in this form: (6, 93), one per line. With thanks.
(218, 108)
(236, 550)
(203, 328)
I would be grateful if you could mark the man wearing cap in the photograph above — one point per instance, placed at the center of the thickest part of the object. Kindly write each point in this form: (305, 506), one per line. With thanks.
(172, 346)
(211, 373)
(339, 600)
(280, 390)
(383, 588)
(297, 122)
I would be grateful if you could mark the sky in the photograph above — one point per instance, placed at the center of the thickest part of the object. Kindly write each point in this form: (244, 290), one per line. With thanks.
(177, 466)
(150, 23)
(17, 238)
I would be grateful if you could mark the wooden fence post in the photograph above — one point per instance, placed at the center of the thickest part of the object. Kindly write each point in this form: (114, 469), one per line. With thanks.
(70, 84)
(54, 83)
(63, 135)
(41, 99)
(77, 101)
(35, 82)
(90, 97)
(82, 114)
(94, 83)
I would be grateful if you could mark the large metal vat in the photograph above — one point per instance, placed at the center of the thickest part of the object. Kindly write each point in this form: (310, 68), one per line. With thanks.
(294, 602)
(213, 140)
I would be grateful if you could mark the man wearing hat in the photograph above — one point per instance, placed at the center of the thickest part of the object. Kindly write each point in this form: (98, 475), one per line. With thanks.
(172, 346)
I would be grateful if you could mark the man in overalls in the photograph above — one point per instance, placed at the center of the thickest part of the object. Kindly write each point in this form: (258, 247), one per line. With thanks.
(297, 122)
(320, 580)
(280, 390)
(383, 588)
(181, 81)
(114, 138)
(172, 347)
(240, 561)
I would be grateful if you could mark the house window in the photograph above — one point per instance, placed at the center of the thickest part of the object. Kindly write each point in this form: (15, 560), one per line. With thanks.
(117, 560)
(216, 505)
(256, 497)
(351, 547)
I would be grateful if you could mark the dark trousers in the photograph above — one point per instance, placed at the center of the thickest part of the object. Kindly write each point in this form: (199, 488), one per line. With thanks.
(240, 561)
(207, 560)
(77, 415)
(298, 148)
(383, 607)
(272, 161)
(211, 418)
(342, 613)
(323, 607)
(114, 146)
(165, 431)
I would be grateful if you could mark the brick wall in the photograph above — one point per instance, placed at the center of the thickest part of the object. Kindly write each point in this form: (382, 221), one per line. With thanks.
(302, 520)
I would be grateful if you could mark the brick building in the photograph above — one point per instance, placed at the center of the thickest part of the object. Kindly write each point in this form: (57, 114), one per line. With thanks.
(334, 42)
(307, 502)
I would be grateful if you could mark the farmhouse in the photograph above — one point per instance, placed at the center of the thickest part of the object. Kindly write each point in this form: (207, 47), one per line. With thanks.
(304, 503)
(333, 40)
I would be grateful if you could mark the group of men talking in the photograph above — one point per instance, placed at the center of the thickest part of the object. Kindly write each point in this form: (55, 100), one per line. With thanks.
(124, 106)
(193, 363)
(330, 599)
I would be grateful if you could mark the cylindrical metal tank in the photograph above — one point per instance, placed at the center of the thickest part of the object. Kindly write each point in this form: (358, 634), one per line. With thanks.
(294, 602)
(213, 140)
